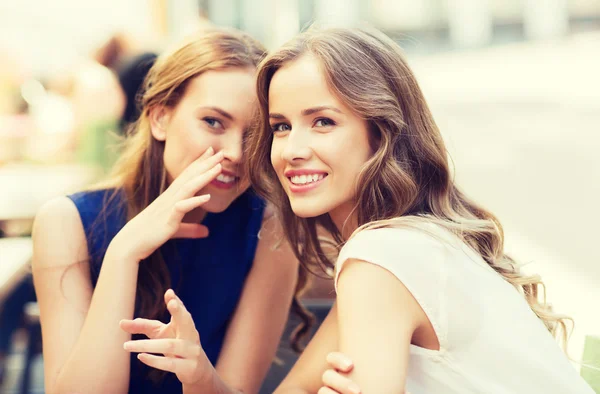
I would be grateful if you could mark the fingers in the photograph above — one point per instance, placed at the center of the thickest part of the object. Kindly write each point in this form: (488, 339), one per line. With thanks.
(183, 320)
(169, 364)
(326, 390)
(169, 295)
(198, 181)
(198, 167)
(149, 328)
(191, 230)
(175, 347)
(340, 384)
(185, 206)
(340, 362)
(209, 152)
(202, 164)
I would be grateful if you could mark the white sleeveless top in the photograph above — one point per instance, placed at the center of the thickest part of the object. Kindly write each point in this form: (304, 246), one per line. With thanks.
(490, 340)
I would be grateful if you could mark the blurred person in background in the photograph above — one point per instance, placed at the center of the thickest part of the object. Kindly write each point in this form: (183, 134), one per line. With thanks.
(427, 300)
(131, 66)
(132, 73)
(177, 213)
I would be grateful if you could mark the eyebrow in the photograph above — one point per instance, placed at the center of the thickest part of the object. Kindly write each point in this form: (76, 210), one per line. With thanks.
(225, 114)
(310, 111)
(306, 112)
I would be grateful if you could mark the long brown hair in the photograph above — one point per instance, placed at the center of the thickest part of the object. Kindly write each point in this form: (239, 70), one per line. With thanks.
(140, 173)
(407, 179)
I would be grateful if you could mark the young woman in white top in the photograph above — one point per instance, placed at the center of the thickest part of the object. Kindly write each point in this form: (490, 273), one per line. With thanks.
(427, 300)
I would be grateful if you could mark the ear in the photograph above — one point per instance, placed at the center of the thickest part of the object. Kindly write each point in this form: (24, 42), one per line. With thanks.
(159, 119)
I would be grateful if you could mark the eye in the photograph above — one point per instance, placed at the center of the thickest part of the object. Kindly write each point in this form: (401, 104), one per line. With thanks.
(324, 122)
(280, 127)
(213, 123)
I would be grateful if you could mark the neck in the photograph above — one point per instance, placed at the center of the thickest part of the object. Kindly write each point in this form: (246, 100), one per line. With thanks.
(345, 220)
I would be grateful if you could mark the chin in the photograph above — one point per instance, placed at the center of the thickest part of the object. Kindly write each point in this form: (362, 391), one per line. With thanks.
(217, 205)
(306, 211)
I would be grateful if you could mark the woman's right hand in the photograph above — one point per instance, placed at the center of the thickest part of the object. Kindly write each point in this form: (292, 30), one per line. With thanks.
(162, 219)
(178, 342)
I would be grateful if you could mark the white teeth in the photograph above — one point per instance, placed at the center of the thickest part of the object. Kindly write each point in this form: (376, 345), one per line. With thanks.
(225, 178)
(305, 179)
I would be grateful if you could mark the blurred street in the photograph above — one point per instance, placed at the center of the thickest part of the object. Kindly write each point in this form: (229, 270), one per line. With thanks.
(522, 123)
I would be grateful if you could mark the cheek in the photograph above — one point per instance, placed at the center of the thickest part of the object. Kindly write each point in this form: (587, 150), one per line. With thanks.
(275, 154)
(346, 157)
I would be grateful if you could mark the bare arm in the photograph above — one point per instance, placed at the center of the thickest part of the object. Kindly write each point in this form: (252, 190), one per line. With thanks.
(92, 349)
(261, 313)
(377, 317)
(192, 367)
(305, 376)
(82, 340)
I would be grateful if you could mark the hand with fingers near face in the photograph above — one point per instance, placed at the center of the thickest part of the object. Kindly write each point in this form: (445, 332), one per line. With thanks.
(335, 380)
(162, 219)
(178, 342)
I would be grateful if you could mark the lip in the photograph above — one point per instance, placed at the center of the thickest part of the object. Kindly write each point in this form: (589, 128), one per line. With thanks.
(307, 187)
(222, 185)
(229, 173)
(302, 171)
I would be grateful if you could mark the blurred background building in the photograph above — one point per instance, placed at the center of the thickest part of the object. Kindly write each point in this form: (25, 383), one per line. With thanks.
(513, 84)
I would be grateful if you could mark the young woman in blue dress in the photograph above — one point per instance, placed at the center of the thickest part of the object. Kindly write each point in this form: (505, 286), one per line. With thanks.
(177, 214)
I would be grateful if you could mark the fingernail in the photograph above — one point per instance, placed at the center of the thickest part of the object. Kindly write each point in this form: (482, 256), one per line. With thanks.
(210, 150)
(347, 364)
(354, 389)
(126, 345)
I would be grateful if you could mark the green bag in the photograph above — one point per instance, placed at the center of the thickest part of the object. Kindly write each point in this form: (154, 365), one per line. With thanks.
(590, 371)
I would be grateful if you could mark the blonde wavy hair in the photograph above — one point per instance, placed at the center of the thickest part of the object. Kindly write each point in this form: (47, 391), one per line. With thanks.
(139, 176)
(407, 180)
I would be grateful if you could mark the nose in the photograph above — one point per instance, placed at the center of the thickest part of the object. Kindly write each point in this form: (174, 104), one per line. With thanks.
(297, 146)
(231, 145)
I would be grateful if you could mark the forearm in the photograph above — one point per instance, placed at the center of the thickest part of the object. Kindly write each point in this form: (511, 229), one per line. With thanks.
(210, 383)
(98, 354)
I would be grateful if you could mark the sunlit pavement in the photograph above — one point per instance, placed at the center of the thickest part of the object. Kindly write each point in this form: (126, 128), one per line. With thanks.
(522, 123)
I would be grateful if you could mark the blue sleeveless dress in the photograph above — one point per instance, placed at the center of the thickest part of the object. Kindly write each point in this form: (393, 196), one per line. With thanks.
(208, 274)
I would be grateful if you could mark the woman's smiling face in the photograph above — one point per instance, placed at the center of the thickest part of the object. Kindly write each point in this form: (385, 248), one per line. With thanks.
(319, 144)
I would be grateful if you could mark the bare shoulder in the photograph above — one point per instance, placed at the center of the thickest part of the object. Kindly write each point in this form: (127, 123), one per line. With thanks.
(58, 234)
(366, 288)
